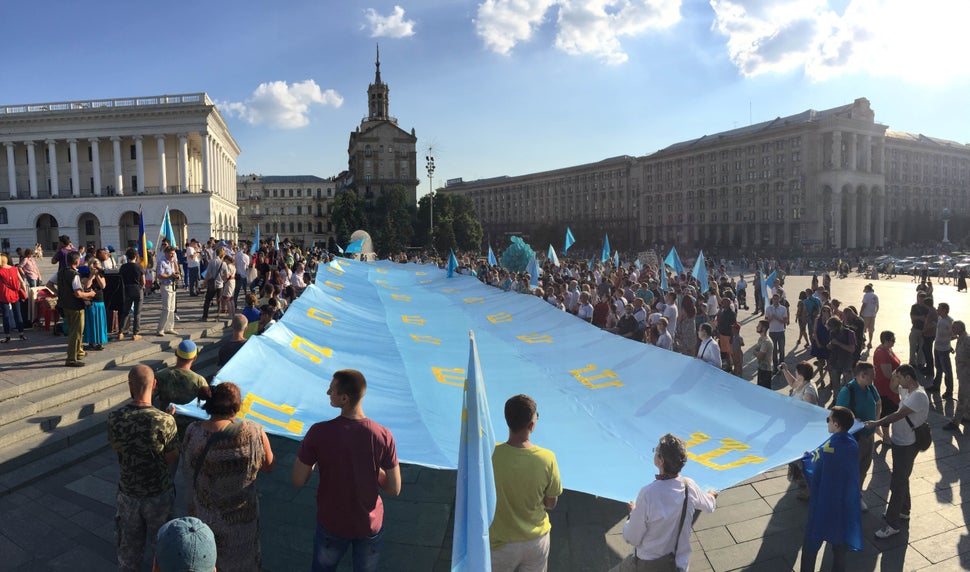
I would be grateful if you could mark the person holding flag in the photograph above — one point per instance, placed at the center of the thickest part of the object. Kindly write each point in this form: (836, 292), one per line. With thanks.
(527, 485)
(834, 510)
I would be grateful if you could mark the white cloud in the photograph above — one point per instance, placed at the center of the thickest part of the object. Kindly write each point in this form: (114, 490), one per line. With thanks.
(391, 26)
(281, 105)
(585, 27)
(917, 41)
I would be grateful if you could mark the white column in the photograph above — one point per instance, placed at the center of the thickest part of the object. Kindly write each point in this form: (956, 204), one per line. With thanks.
(11, 170)
(837, 219)
(836, 150)
(881, 220)
(851, 143)
(867, 153)
(853, 222)
(52, 165)
(205, 161)
(162, 179)
(865, 232)
(184, 162)
(31, 169)
(96, 164)
(75, 173)
(139, 165)
(119, 180)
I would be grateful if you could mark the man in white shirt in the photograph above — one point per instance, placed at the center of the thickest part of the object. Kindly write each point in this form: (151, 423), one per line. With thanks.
(664, 341)
(777, 316)
(670, 312)
(585, 308)
(914, 408)
(241, 260)
(870, 307)
(166, 273)
(192, 257)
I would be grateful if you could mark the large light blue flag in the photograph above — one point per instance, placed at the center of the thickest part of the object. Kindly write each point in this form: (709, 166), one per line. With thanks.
(475, 487)
(600, 412)
(551, 255)
(673, 261)
(452, 263)
(770, 282)
(255, 246)
(569, 241)
(491, 257)
(166, 232)
(700, 272)
(354, 246)
(606, 248)
(533, 269)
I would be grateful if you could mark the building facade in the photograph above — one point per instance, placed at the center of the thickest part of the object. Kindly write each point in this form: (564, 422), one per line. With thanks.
(817, 180)
(85, 168)
(295, 207)
(592, 199)
(381, 154)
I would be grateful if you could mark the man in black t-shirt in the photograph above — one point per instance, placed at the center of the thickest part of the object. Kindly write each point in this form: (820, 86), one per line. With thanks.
(133, 284)
(917, 315)
(235, 343)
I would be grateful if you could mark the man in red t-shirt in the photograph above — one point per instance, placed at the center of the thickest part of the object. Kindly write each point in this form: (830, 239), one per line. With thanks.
(356, 459)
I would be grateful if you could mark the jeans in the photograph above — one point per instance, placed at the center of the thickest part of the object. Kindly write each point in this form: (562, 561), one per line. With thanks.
(328, 549)
(11, 317)
(242, 285)
(193, 275)
(899, 501)
(211, 293)
(133, 296)
(778, 341)
(944, 370)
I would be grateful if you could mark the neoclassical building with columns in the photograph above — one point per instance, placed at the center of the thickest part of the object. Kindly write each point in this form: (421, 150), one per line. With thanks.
(85, 168)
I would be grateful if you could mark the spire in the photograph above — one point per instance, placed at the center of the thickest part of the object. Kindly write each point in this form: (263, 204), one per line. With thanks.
(377, 76)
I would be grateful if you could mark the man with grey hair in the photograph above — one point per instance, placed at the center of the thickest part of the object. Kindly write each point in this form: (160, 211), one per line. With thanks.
(236, 341)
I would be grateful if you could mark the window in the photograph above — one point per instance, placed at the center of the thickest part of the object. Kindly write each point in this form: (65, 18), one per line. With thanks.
(299, 210)
(291, 196)
(134, 182)
(3, 215)
(291, 228)
(89, 227)
(299, 192)
(299, 227)
(133, 154)
(90, 153)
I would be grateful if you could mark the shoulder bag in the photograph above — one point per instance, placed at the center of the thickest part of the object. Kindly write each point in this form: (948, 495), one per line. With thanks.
(924, 437)
(227, 432)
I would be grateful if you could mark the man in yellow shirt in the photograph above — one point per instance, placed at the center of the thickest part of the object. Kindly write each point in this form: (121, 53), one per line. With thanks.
(527, 484)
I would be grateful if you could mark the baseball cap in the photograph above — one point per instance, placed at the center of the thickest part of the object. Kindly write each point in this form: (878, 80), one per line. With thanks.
(187, 350)
(185, 545)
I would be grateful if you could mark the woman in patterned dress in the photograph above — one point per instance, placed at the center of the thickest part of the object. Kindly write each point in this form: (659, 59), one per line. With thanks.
(221, 459)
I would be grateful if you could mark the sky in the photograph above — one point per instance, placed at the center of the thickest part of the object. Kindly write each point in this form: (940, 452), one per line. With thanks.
(498, 87)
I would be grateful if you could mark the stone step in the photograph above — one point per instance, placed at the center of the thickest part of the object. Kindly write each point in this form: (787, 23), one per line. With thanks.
(60, 423)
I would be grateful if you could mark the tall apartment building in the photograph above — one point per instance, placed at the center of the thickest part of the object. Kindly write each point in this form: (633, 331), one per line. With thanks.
(592, 199)
(295, 207)
(816, 180)
(85, 168)
(381, 154)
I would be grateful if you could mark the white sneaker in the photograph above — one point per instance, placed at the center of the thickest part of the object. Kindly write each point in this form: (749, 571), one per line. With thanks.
(886, 532)
(177, 319)
(172, 332)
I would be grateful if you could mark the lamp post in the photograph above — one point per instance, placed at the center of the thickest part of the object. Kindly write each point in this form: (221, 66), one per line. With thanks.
(430, 166)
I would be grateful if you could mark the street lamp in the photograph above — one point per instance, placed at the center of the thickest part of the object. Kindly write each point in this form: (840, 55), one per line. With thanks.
(430, 166)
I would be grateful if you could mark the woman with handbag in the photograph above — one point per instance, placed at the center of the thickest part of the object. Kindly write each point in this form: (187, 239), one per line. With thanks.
(658, 527)
(12, 290)
(221, 459)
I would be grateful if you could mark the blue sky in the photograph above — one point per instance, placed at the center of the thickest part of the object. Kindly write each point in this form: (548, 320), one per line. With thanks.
(499, 87)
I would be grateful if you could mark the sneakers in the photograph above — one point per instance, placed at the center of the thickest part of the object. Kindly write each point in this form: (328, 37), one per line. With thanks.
(904, 516)
(172, 332)
(886, 532)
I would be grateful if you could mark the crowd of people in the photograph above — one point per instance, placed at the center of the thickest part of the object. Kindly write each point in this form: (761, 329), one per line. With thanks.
(356, 457)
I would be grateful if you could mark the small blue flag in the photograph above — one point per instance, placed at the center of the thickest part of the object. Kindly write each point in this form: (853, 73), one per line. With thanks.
(491, 257)
(700, 271)
(475, 487)
(340, 250)
(569, 241)
(276, 242)
(533, 270)
(764, 289)
(616, 259)
(638, 264)
(354, 246)
(255, 246)
(551, 255)
(606, 248)
(592, 263)
(673, 261)
(452, 262)
(663, 279)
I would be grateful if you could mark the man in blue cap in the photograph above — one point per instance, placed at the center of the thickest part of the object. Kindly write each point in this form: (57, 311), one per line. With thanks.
(185, 545)
(179, 384)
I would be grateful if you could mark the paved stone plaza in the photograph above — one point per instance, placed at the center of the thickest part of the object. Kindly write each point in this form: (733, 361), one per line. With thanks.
(65, 519)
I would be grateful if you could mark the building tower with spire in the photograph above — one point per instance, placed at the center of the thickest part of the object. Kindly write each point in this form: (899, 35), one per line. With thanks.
(381, 155)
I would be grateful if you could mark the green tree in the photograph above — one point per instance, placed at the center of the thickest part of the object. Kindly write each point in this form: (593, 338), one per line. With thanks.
(347, 215)
(391, 218)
